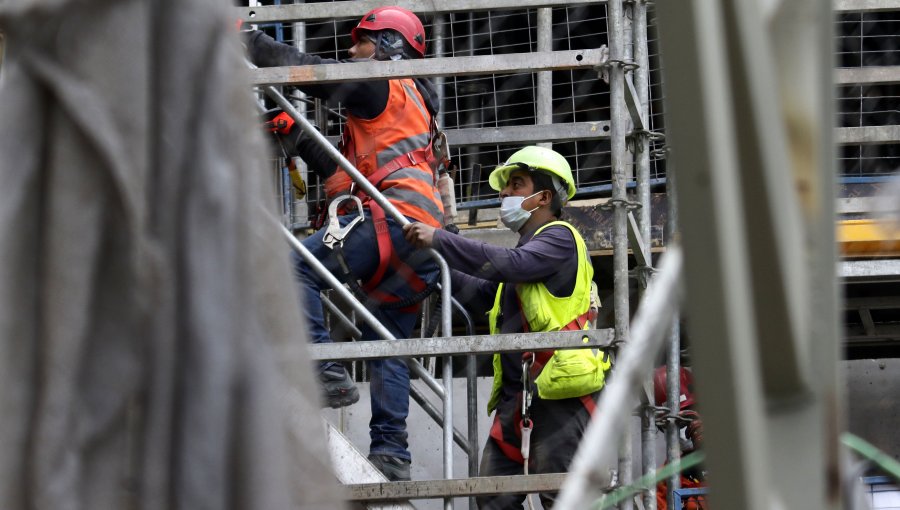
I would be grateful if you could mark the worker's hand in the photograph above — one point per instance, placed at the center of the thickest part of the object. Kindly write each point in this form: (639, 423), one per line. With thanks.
(419, 235)
(695, 432)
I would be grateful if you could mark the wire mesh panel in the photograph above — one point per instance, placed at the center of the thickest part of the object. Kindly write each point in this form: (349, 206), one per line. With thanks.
(503, 100)
(867, 39)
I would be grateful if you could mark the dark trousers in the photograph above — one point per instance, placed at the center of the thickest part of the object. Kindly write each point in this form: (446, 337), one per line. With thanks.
(389, 377)
(558, 428)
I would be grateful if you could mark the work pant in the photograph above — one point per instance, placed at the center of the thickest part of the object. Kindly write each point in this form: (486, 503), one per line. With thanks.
(389, 385)
(558, 428)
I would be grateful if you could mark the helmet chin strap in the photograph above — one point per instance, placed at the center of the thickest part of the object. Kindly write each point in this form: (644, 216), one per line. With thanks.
(378, 41)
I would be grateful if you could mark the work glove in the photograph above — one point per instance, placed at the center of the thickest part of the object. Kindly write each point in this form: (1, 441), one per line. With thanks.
(297, 183)
(285, 133)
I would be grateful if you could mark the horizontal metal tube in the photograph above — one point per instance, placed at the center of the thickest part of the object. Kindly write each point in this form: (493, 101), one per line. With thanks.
(442, 346)
(478, 486)
(421, 68)
(356, 8)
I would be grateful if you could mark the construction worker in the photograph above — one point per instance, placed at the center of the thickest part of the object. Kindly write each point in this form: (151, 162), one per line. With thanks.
(543, 284)
(691, 436)
(387, 137)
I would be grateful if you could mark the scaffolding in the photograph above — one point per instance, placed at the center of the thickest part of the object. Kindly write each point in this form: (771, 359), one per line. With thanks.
(588, 77)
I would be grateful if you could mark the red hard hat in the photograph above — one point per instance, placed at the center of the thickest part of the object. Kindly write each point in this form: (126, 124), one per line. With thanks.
(395, 18)
(687, 387)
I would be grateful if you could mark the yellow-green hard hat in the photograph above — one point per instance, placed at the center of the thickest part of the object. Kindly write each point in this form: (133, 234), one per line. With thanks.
(535, 158)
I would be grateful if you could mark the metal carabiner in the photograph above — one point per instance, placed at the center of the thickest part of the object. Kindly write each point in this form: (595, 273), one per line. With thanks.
(335, 234)
(527, 363)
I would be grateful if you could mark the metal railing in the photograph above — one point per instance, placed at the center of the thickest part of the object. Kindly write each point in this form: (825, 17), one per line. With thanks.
(628, 127)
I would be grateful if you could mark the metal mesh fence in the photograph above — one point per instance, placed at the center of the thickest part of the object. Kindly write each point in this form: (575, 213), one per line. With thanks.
(505, 100)
(866, 39)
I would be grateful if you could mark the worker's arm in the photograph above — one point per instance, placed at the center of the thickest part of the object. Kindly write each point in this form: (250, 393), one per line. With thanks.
(473, 293)
(538, 259)
(365, 99)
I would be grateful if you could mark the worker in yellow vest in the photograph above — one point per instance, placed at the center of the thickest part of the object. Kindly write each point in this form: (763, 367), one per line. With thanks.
(542, 401)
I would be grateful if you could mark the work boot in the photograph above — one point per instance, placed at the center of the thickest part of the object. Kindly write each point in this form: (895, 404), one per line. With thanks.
(339, 389)
(394, 468)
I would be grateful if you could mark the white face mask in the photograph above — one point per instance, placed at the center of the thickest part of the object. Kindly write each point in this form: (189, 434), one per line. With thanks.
(511, 213)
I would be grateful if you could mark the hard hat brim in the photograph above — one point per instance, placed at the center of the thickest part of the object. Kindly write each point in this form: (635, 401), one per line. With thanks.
(500, 175)
(498, 178)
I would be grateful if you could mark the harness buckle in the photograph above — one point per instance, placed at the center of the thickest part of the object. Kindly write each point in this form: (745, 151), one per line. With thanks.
(334, 234)
(527, 362)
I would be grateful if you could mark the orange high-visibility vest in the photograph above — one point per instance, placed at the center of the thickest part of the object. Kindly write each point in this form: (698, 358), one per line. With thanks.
(402, 130)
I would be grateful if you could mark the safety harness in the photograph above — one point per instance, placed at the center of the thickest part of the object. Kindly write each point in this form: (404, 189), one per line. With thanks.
(532, 364)
(435, 154)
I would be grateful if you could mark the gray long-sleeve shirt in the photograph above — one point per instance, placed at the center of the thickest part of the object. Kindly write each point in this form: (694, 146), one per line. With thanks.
(550, 257)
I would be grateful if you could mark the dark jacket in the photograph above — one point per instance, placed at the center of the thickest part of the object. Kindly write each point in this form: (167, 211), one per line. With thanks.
(364, 99)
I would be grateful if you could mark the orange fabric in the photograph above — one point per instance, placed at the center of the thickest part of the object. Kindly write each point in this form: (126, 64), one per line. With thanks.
(404, 118)
(690, 502)
(336, 184)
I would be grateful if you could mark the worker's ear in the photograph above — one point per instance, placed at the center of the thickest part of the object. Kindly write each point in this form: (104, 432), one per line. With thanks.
(546, 197)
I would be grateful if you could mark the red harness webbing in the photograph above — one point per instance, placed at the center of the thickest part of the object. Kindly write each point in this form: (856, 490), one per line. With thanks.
(387, 256)
(540, 359)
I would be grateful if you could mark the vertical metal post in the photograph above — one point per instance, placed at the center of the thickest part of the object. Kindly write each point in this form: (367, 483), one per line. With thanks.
(642, 140)
(618, 131)
(673, 354)
(438, 28)
(446, 329)
(301, 209)
(641, 144)
(544, 99)
(673, 394)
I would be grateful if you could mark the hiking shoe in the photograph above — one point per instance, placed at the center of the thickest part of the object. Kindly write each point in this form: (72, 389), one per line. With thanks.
(394, 468)
(339, 389)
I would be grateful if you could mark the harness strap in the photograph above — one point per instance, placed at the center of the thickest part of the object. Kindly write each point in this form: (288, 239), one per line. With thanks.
(402, 161)
(542, 357)
(385, 246)
(511, 452)
(387, 257)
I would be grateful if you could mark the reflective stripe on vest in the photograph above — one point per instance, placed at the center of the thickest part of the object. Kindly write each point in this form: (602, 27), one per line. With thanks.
(403, 127)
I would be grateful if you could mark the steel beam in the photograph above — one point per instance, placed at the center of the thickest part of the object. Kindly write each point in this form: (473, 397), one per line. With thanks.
(513, 135)
(442, 346)
(858, 334)
(447, 66)
(356, 8)
(860, 271)
(868, 135)
(866, 75)
(866, 5)
(872, 303)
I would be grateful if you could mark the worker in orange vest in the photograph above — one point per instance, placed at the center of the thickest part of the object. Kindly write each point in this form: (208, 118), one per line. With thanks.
(388, 136)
